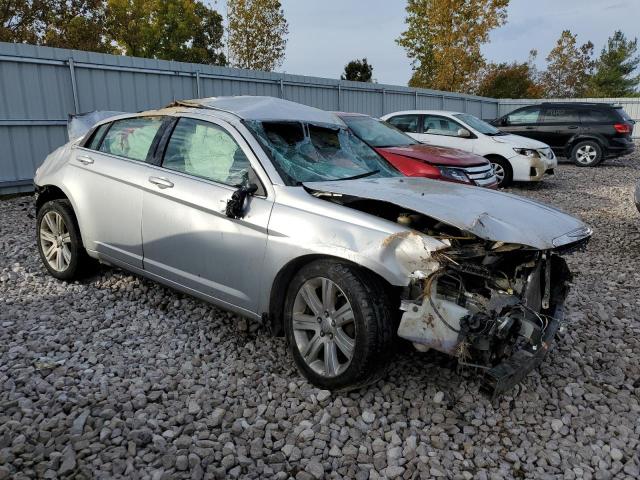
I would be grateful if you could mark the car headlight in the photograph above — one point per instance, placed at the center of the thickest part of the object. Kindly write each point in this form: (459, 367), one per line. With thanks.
(573, 236)
(529, 152)
(454, 174)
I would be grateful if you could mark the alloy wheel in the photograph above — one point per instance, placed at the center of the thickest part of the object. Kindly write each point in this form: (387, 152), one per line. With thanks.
(586, 154)
(324, 327)
(55, 241)
(498, 170)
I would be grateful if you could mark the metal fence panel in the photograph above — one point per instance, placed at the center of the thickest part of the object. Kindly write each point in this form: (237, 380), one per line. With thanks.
(40, 86)
(630, 105)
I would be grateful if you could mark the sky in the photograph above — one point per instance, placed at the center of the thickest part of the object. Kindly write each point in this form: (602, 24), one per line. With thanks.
(325, 34)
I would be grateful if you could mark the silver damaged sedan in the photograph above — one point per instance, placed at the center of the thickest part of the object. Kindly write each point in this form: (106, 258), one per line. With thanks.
(275, 211)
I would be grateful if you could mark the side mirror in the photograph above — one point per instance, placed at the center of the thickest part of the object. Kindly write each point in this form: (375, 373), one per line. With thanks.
(504, 121)
(235, 205)
(464, 133)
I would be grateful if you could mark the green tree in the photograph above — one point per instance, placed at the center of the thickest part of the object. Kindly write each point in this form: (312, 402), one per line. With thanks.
(509, 80)
(181, 30)
(18, 20)
(257, 34)
(75, 24)
(443, 40)
(568, 68)
(358, 71)
(613, 70)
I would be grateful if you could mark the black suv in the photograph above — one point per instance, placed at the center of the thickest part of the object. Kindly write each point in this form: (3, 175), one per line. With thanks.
(586, 133)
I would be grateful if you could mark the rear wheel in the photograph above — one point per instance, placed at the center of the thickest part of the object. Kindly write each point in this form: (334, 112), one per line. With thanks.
(59, 242)
(338, 325)
(587, 154)
(502, 170)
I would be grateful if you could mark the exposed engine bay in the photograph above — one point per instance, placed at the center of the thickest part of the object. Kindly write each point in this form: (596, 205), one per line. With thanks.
(494, 306)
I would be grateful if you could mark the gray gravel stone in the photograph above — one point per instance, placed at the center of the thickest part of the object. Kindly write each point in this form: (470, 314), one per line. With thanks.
(315, 469)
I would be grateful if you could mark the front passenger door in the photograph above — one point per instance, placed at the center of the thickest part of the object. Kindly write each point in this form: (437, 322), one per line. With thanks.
(188, 240)
(524, 121)
(443, 132)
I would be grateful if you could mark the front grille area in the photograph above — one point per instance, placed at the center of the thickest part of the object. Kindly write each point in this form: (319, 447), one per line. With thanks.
(481, 175)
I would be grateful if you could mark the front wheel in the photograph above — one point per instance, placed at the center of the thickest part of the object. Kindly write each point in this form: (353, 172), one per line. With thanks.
(586, 154)
(338, 325)
(59, 242)
(502, 170)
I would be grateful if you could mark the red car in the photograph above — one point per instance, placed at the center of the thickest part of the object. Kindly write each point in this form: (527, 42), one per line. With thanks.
(415, 159)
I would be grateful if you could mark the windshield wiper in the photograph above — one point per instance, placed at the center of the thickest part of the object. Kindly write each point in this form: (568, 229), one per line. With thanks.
(362, 175)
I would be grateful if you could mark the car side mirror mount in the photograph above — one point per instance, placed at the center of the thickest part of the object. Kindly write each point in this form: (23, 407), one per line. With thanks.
(236, 204)
(464, 133)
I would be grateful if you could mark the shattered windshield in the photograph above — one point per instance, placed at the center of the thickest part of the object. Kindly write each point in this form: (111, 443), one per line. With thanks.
(376, 133)
(305, 152)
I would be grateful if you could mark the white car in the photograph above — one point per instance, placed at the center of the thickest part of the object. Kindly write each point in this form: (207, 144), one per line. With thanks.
(513, 157)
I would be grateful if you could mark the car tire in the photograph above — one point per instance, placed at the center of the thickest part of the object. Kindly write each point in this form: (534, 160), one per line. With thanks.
(503, 170)
(587, 153)
(59, 242)
(338, 325)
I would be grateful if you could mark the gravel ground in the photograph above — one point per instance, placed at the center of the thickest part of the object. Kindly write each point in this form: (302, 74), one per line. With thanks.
(119, 377)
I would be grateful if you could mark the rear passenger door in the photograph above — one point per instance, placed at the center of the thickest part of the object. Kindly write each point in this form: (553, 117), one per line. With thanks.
(560, 123)
(407, 123)
(109, 176)
(188, 239)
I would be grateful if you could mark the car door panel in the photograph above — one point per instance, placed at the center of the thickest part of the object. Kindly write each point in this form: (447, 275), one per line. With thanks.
(560, 124)
(443, 132)
(188, 239)
(525, 122)
(110, 197)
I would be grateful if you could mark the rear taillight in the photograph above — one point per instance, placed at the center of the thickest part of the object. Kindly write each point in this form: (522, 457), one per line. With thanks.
(622, 128)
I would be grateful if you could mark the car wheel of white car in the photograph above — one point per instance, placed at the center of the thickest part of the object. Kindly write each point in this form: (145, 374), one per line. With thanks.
(587, 154)
(502, 170)
(59, 242)
(338, 325)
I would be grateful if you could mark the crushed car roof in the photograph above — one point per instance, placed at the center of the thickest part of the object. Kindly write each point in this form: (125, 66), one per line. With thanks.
(262, 108)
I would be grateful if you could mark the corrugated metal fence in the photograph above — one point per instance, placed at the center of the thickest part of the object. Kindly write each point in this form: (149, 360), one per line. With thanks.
(630, 105)
(40, 86)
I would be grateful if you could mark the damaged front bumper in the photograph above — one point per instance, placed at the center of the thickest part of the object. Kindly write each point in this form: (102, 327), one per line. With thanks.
(498, 314)
(507, 374)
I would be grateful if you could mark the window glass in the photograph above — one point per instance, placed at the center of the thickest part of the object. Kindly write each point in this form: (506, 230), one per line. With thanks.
(477, 124)
(526, 115)
(377, 133)
(436, 125)
(625, 116)
(405, 123)
(304, 152)
(208, 151)
(592, 115)
(97, 136)
(131, 137)
(561, 115)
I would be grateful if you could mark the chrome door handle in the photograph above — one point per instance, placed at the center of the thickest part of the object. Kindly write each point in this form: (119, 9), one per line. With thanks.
(161, 182)
(85, 160)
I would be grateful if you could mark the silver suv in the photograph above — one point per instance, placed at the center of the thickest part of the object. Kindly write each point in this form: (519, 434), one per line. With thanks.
(275, 211)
